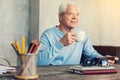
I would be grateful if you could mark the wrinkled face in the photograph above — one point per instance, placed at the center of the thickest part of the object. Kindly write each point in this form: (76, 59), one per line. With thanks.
(70, 18)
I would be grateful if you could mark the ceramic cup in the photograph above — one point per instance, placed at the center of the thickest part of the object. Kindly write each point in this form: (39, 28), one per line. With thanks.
(80, 36)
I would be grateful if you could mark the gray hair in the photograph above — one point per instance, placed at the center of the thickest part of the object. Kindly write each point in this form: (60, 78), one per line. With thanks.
(63, 6)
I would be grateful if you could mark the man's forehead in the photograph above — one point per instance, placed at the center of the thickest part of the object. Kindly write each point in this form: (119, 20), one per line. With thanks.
(75, 7)
(72, 8)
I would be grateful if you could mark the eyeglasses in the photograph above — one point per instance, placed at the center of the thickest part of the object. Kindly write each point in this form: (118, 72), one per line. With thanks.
(96, 62)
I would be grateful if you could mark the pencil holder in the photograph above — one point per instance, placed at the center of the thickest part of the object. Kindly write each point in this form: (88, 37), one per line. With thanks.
(28, 68)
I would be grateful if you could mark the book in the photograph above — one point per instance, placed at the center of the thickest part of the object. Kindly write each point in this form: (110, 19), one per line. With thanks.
(93, 70)
(91, 67)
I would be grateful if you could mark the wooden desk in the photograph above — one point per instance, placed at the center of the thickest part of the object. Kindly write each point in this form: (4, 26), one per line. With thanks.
(63, 73)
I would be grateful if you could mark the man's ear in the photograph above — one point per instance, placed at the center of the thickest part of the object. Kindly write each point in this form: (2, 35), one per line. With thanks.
(60, 17)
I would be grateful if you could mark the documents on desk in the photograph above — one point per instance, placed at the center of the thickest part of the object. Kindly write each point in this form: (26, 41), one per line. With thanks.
(93, 69)
(5, 69)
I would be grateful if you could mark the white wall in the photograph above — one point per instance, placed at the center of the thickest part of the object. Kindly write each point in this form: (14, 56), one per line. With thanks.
(14, 16)
(48, 14)
(110, 22)
(99, 18)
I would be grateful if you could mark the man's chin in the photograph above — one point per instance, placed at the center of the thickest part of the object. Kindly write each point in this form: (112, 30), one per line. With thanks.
(73, 26)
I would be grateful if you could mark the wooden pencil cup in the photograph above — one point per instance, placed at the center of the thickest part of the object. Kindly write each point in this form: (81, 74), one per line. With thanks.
(28, 68)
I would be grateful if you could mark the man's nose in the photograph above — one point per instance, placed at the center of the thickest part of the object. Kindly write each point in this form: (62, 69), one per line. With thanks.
(75, 16)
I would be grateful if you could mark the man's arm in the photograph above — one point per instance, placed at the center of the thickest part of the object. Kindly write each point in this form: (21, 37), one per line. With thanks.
(49, 51)
(88, 49)
(90, 52)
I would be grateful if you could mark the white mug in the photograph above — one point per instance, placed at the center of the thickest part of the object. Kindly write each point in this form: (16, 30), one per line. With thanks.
(80, 36)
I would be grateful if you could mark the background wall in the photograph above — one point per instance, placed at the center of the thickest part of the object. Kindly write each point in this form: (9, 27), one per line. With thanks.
(33, 19)
(110, 22)
(14, 16)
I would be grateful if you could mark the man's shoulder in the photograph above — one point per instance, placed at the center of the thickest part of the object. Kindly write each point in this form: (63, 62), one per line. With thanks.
(50, 29)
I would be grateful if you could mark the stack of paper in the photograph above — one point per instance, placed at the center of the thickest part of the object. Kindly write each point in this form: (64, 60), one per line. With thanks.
(5, 69)
(93, 69)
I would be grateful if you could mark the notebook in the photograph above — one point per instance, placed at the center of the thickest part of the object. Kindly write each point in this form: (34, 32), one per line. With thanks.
(93, 70)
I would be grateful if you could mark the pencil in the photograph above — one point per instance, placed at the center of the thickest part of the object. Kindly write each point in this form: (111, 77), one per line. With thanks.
(23, 45)
(18, 47)
(14, 47)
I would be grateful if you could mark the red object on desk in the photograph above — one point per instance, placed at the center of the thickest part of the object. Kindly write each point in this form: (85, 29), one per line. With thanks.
(94, 71)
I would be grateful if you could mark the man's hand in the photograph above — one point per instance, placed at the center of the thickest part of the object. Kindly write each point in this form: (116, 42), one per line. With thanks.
(68, 38)
(111, 59)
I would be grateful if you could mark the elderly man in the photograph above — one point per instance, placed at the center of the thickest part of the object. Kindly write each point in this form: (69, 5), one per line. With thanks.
(59, 45)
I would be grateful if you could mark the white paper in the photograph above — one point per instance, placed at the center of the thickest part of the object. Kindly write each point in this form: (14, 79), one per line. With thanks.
(5, 69)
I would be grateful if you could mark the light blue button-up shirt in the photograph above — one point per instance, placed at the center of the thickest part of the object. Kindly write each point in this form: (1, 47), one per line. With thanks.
(54, 53)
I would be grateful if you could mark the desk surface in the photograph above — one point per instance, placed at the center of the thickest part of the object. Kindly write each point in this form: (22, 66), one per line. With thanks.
(63, 73)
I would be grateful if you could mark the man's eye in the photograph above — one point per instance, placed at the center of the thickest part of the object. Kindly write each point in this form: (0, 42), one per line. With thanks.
(69, 14)
(77, 14)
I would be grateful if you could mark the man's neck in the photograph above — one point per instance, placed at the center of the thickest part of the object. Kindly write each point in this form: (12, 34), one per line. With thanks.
(64, 29)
